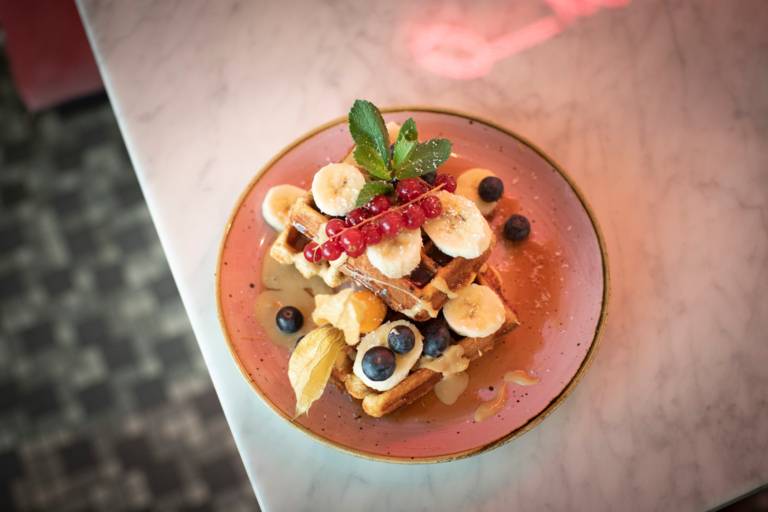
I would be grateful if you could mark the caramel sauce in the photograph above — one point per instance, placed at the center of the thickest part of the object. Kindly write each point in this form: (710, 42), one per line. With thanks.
(452, 361)
(451, 387)
(533, 279)
(285, 286)
(491, 407)
(521, 378)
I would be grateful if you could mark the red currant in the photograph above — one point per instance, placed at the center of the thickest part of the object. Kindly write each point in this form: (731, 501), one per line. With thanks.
(331, 249)
(356, 216)
(432, 206)
(448, 182)
(414, 216)
(391, 223)
(312, 252)
(409, 189)
(378, 205)
(371, 233)
(334, 227)
(353, 242)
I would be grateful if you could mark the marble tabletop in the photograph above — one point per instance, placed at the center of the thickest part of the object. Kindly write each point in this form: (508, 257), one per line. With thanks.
(658, 109)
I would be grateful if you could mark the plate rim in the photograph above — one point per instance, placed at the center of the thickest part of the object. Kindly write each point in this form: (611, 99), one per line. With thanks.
(519, 431)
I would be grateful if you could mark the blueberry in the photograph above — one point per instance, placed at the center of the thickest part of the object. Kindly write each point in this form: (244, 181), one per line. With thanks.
(379, 363)
(490, 189)
(438, 256)
(421, 276)
(401, 339)
(517, 228)
(289, 319)
(430, 177)
(437, 337)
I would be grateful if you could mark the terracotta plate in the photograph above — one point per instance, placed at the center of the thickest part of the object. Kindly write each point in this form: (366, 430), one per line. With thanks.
(557, 281)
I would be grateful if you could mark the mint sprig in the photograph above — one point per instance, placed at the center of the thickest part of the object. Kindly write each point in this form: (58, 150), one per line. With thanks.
(407, 139)
(424, 158)
(408, 159)
(370, 135)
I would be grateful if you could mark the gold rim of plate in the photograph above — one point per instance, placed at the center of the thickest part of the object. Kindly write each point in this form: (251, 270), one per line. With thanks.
(532, 422)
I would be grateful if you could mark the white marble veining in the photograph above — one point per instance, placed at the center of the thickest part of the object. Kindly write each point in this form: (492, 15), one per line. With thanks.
(659, 110)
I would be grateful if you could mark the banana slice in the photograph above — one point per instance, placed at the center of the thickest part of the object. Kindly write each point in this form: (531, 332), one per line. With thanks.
(335, 188)
(467, 186)
(461, 230)
(476, 312)
(277, 203)
(398, 256)
(403, 362)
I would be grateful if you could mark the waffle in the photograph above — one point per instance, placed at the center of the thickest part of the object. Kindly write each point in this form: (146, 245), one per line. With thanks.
(403, 295)
(287, 249)
(422, 380)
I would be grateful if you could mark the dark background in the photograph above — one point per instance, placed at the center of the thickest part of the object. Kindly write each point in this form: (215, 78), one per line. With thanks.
(105, 403)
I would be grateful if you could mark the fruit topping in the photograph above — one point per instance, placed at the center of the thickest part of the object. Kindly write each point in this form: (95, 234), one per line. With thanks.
(378, 204)
(371, 233)
(438, 256)
(370, 309)
(437, 338)
(517, 228)
(421, 276)
(277, 204)
(353, 312)
(490, 189)
(379, 363)
(410, 188)
(312, 252)
(401, 339)
(310, 365)
(335, 188)
(431, 206)
(447, 181)
(476, 311)
(353, 242)
(461, 230)
(413, 216)
(267, 305)
(403, 362)
(334, 227)
(356, 216)
(289, 319)
(397, 256)
(391, 223)
(470, 184)
(331, 249)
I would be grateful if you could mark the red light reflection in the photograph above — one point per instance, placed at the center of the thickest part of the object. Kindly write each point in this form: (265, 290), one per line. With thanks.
(462, 53)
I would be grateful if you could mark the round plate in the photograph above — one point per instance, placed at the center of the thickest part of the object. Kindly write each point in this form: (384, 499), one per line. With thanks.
(556, 281)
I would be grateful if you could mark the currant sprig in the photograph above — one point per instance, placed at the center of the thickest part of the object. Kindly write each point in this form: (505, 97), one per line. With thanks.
(380, 219)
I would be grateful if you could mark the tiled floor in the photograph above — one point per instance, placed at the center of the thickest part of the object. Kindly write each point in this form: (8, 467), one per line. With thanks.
(105, 403)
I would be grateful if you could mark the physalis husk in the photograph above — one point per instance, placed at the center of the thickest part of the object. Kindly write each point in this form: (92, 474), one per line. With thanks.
(311, 363)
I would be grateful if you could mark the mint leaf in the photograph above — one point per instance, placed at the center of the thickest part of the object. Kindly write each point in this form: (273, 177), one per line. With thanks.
(425, 158)
(368, 131)
(371, 190)
(406, 141)
(368, 158)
